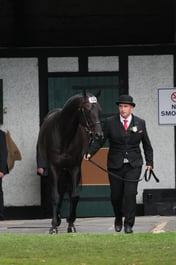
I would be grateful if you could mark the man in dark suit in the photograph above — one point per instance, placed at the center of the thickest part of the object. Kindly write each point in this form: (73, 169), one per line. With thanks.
(3, 169)
(124, 160)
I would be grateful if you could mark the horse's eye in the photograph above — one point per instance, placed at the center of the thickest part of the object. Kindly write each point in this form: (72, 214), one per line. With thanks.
(88, 105)
(87, 110)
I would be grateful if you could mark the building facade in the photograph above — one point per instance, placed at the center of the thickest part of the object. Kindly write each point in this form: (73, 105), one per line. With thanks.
(32, 78)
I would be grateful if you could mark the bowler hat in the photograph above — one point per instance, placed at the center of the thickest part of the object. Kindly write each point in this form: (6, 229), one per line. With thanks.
(125, 99)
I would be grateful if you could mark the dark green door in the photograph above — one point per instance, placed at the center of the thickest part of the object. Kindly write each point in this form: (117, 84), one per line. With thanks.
(94, 199)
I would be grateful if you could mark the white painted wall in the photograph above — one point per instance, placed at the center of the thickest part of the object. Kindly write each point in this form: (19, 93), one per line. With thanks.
(21, 99)
(146, 75)
(103, 63)
(63, 64)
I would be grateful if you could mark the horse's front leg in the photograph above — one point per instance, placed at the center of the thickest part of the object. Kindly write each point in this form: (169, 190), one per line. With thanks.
(56, 200)
(72, 217)
(74, 199)
(55, 203)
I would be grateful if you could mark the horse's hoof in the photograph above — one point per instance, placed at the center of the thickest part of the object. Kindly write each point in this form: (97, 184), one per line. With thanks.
(53, 231)
(71, 229)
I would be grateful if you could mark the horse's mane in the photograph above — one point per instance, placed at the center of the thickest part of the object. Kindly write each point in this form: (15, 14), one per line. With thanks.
(69, 117)
(76, 100)
(61, 125)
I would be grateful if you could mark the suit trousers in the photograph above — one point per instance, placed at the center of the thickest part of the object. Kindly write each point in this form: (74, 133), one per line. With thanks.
(1, 201)
(123, 192)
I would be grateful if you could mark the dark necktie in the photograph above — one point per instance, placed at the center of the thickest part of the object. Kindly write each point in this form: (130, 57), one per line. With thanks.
(125, 124)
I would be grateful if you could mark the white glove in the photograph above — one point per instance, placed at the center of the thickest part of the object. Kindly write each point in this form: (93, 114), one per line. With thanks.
(87, 156)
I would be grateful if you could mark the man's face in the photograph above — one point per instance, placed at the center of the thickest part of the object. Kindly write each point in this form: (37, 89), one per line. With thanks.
(125, 110)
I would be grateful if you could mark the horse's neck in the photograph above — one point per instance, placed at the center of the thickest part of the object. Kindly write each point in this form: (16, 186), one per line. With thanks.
(69, 124)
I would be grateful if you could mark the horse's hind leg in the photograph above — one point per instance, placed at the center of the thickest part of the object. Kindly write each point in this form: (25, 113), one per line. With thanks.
(53, 229)
(61, 197)
(71, 219)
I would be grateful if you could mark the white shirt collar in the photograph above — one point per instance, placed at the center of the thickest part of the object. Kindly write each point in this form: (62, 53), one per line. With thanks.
(129, 119)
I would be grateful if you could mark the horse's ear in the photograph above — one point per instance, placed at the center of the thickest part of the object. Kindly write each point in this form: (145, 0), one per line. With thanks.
(84, 92)
(98, 94)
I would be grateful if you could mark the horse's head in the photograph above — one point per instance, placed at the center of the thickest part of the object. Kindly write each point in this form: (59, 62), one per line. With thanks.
(90, 114)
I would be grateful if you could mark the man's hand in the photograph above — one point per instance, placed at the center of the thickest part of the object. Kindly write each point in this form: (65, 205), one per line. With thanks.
(149, 168)
(40, 170)
(87, 156)
(1, 174)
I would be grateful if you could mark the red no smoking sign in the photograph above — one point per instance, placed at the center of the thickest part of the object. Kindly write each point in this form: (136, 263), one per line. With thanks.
(167, 106)
(173, 97)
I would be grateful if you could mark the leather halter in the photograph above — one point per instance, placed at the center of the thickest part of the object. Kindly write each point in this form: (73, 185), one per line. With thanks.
(88, 126)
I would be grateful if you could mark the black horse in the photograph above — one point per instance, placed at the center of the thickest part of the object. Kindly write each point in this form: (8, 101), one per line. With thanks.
(63, 139)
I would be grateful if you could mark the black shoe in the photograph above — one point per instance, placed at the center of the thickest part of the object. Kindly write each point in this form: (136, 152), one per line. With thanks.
(128, 229)
(118, 225)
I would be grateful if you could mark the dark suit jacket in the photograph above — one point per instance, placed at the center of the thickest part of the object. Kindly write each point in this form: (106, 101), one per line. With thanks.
(125, 144)
(3, 153)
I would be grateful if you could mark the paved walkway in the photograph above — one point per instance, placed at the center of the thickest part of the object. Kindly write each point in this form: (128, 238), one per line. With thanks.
(155, 224)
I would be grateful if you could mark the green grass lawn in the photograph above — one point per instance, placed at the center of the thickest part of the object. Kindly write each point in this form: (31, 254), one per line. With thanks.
(88, 249)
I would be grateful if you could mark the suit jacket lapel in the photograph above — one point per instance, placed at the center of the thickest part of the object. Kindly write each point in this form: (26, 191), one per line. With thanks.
(120, 127)
(135, 121)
